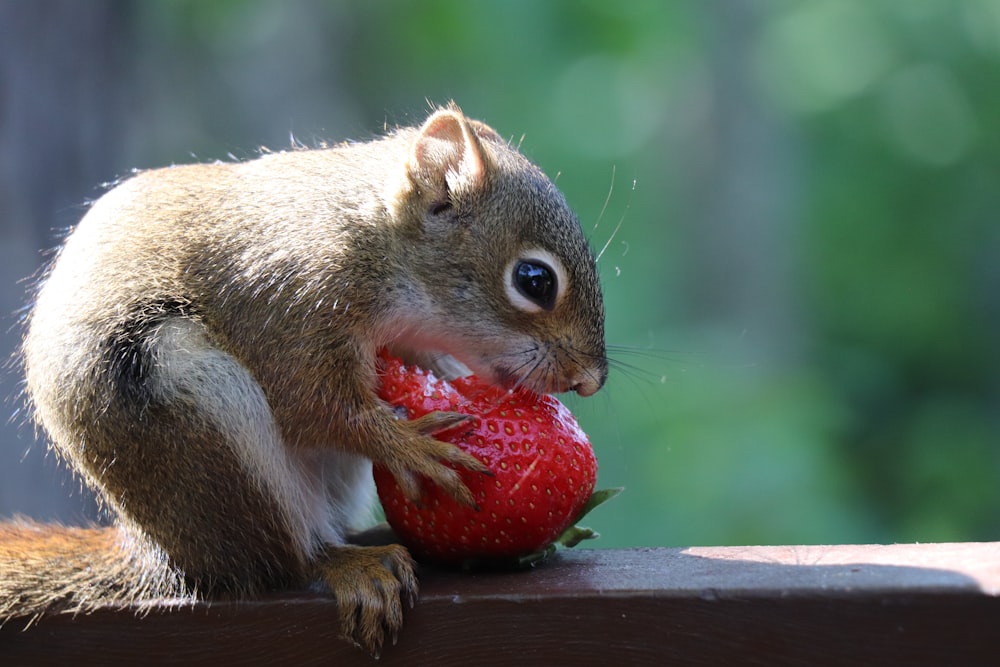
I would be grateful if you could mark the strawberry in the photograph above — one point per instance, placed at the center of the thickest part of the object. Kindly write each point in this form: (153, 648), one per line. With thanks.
(543, 472)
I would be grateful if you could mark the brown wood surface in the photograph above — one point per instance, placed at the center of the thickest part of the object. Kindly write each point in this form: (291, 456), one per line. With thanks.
(936, 604)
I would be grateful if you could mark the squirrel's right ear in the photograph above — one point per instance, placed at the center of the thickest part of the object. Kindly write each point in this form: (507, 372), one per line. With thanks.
(447, 158)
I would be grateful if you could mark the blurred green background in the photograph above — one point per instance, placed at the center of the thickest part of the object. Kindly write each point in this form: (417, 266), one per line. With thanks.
(803, 295)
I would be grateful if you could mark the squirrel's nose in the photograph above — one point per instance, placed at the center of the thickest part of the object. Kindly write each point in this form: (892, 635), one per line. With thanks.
(590, 380)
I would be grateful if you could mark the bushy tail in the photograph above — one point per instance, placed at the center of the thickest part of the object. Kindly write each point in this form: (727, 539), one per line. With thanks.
(47, 568)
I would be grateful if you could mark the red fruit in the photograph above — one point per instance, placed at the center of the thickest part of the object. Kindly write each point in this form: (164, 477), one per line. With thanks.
(543, 466)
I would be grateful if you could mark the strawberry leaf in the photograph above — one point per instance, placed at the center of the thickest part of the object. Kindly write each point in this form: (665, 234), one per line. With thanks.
(598, 498)
(573, 535)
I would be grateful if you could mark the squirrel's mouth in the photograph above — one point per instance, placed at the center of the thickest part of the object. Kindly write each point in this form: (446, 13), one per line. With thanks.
(544, 383)
(505, 378)
(551, 377)
(447, 367)
(542, 378)
(443, 365)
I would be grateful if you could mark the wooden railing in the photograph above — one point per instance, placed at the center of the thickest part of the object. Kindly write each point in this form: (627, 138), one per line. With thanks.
(936, 604)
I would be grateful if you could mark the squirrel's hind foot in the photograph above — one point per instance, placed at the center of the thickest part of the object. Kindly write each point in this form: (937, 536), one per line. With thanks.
(370, 585)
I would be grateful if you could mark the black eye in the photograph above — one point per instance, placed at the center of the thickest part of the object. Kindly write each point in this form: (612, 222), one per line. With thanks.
(536, 282)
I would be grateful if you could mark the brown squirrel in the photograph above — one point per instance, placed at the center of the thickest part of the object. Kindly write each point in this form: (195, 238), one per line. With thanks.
(203, 353)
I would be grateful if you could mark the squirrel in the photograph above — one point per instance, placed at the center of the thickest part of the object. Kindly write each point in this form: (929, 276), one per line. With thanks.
(203, 353)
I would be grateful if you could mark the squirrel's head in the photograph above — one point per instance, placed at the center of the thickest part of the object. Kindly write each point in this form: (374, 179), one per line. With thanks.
(505, 279)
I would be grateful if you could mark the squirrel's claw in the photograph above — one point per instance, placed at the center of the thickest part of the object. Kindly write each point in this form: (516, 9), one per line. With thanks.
(424, 457)
(435, 422)
(370, 585)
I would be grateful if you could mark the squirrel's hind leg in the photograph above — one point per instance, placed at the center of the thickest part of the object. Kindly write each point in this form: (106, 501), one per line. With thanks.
(231, 505)
(184, 448)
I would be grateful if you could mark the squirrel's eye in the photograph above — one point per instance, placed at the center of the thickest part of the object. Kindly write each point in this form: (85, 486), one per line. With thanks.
(536, 282)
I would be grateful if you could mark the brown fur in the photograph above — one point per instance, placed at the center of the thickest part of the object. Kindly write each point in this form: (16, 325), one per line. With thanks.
(203, 353)
(49, 568)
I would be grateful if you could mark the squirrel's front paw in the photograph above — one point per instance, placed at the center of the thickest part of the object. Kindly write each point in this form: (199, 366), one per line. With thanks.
(370, 585)
(423, 457)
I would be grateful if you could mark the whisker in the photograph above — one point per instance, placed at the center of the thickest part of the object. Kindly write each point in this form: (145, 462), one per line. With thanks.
(643, 387)
(516, 353)
(529, 355)
(584, 353)
(538, 361)
(621, 220)
(636, 373)
(607, 200)
(673, 356)
(531, 360)
(572, 354)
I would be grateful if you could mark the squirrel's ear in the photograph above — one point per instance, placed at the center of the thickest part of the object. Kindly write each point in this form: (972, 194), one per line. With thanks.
(447, 157)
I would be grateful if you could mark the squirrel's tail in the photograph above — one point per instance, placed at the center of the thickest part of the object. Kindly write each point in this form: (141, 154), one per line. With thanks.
(47, 568)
